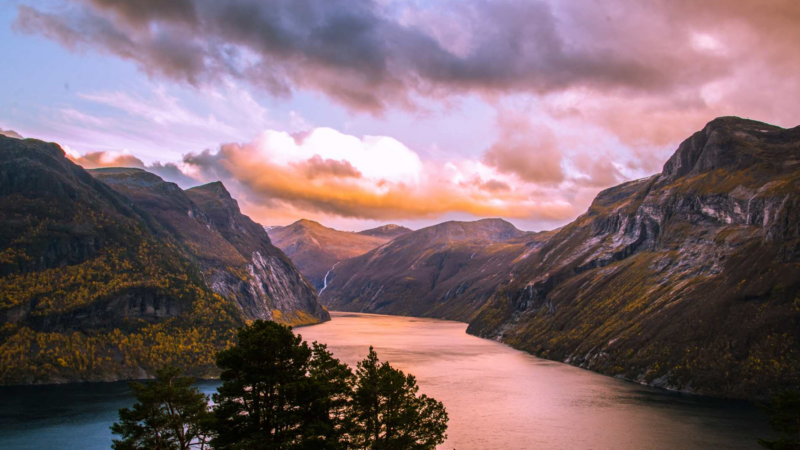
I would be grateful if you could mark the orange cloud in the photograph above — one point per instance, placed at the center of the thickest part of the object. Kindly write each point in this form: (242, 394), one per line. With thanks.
(94, 160)
(526, 150)
(316, 167)
(273, 176)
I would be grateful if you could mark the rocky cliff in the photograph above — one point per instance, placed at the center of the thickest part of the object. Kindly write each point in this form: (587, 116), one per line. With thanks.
(687, 280)
(236, 257)
(103, 280)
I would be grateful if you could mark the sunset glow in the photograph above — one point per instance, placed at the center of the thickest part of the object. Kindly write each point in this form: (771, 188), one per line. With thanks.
(366, 112)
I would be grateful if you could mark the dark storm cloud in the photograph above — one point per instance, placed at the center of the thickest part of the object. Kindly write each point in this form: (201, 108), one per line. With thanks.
(143, 11)
(366, 54)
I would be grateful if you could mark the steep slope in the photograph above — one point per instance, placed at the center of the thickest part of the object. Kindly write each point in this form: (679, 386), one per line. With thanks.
(447, 270)
(389, 231)
(688, 279)
(235, 254)
(315, 249)
(93, 286)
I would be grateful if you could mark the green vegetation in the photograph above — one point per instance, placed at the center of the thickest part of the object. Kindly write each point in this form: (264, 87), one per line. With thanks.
(170, 414)
(388, 412)
(280, 393)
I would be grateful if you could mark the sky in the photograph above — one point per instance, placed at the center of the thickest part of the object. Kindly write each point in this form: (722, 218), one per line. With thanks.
(357, 113)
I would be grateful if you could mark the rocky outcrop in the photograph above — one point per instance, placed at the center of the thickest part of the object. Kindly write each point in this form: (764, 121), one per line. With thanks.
(271, 273)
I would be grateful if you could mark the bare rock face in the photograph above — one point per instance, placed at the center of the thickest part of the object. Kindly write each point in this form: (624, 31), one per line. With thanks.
(238, 260)
(274, 285)
(390, 231)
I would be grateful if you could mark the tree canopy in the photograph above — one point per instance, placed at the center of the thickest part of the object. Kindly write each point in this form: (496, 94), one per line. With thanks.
(278, 392)
(169, 414)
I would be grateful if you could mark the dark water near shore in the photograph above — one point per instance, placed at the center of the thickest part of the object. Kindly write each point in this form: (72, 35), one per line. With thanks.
(497, 397)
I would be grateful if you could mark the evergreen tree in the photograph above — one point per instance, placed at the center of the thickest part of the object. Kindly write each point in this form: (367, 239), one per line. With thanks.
(389, 414)
(169, 414)
(784, 416)
(279, 393)
(329, 422)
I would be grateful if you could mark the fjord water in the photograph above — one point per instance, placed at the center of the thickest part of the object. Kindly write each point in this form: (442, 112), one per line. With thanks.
(497, 397)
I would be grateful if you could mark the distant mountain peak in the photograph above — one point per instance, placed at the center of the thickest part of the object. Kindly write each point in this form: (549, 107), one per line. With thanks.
(315, 248)
(389, 231)
(128, 176)
(307, 223)
(724, 143)
(215, 187)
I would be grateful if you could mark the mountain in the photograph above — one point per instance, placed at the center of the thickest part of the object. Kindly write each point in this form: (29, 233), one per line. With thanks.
(447, 270)
(390, 231)
(687, 280)
(315, 249)
(235, 254)
(112, 274)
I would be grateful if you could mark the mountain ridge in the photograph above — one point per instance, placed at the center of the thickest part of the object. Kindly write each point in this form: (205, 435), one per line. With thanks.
(438, 271)
(389, 231)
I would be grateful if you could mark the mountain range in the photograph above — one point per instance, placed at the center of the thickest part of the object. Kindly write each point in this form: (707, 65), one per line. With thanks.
(110, 274)
(688, 280)
(447, 270)
(315, 249)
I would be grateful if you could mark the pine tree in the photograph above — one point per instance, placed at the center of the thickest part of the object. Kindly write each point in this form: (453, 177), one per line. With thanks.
(328, 423)
(263, 400)
(388, 413)
(169, 414)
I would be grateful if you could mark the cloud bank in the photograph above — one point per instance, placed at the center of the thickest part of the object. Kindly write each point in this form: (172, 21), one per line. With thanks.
(324, 173)
(370, 55)
(586, 94)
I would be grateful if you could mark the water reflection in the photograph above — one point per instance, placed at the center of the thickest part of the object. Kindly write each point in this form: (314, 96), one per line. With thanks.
(497, 397)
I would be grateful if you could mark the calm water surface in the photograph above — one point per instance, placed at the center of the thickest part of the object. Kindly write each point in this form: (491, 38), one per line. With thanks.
(497, 397)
